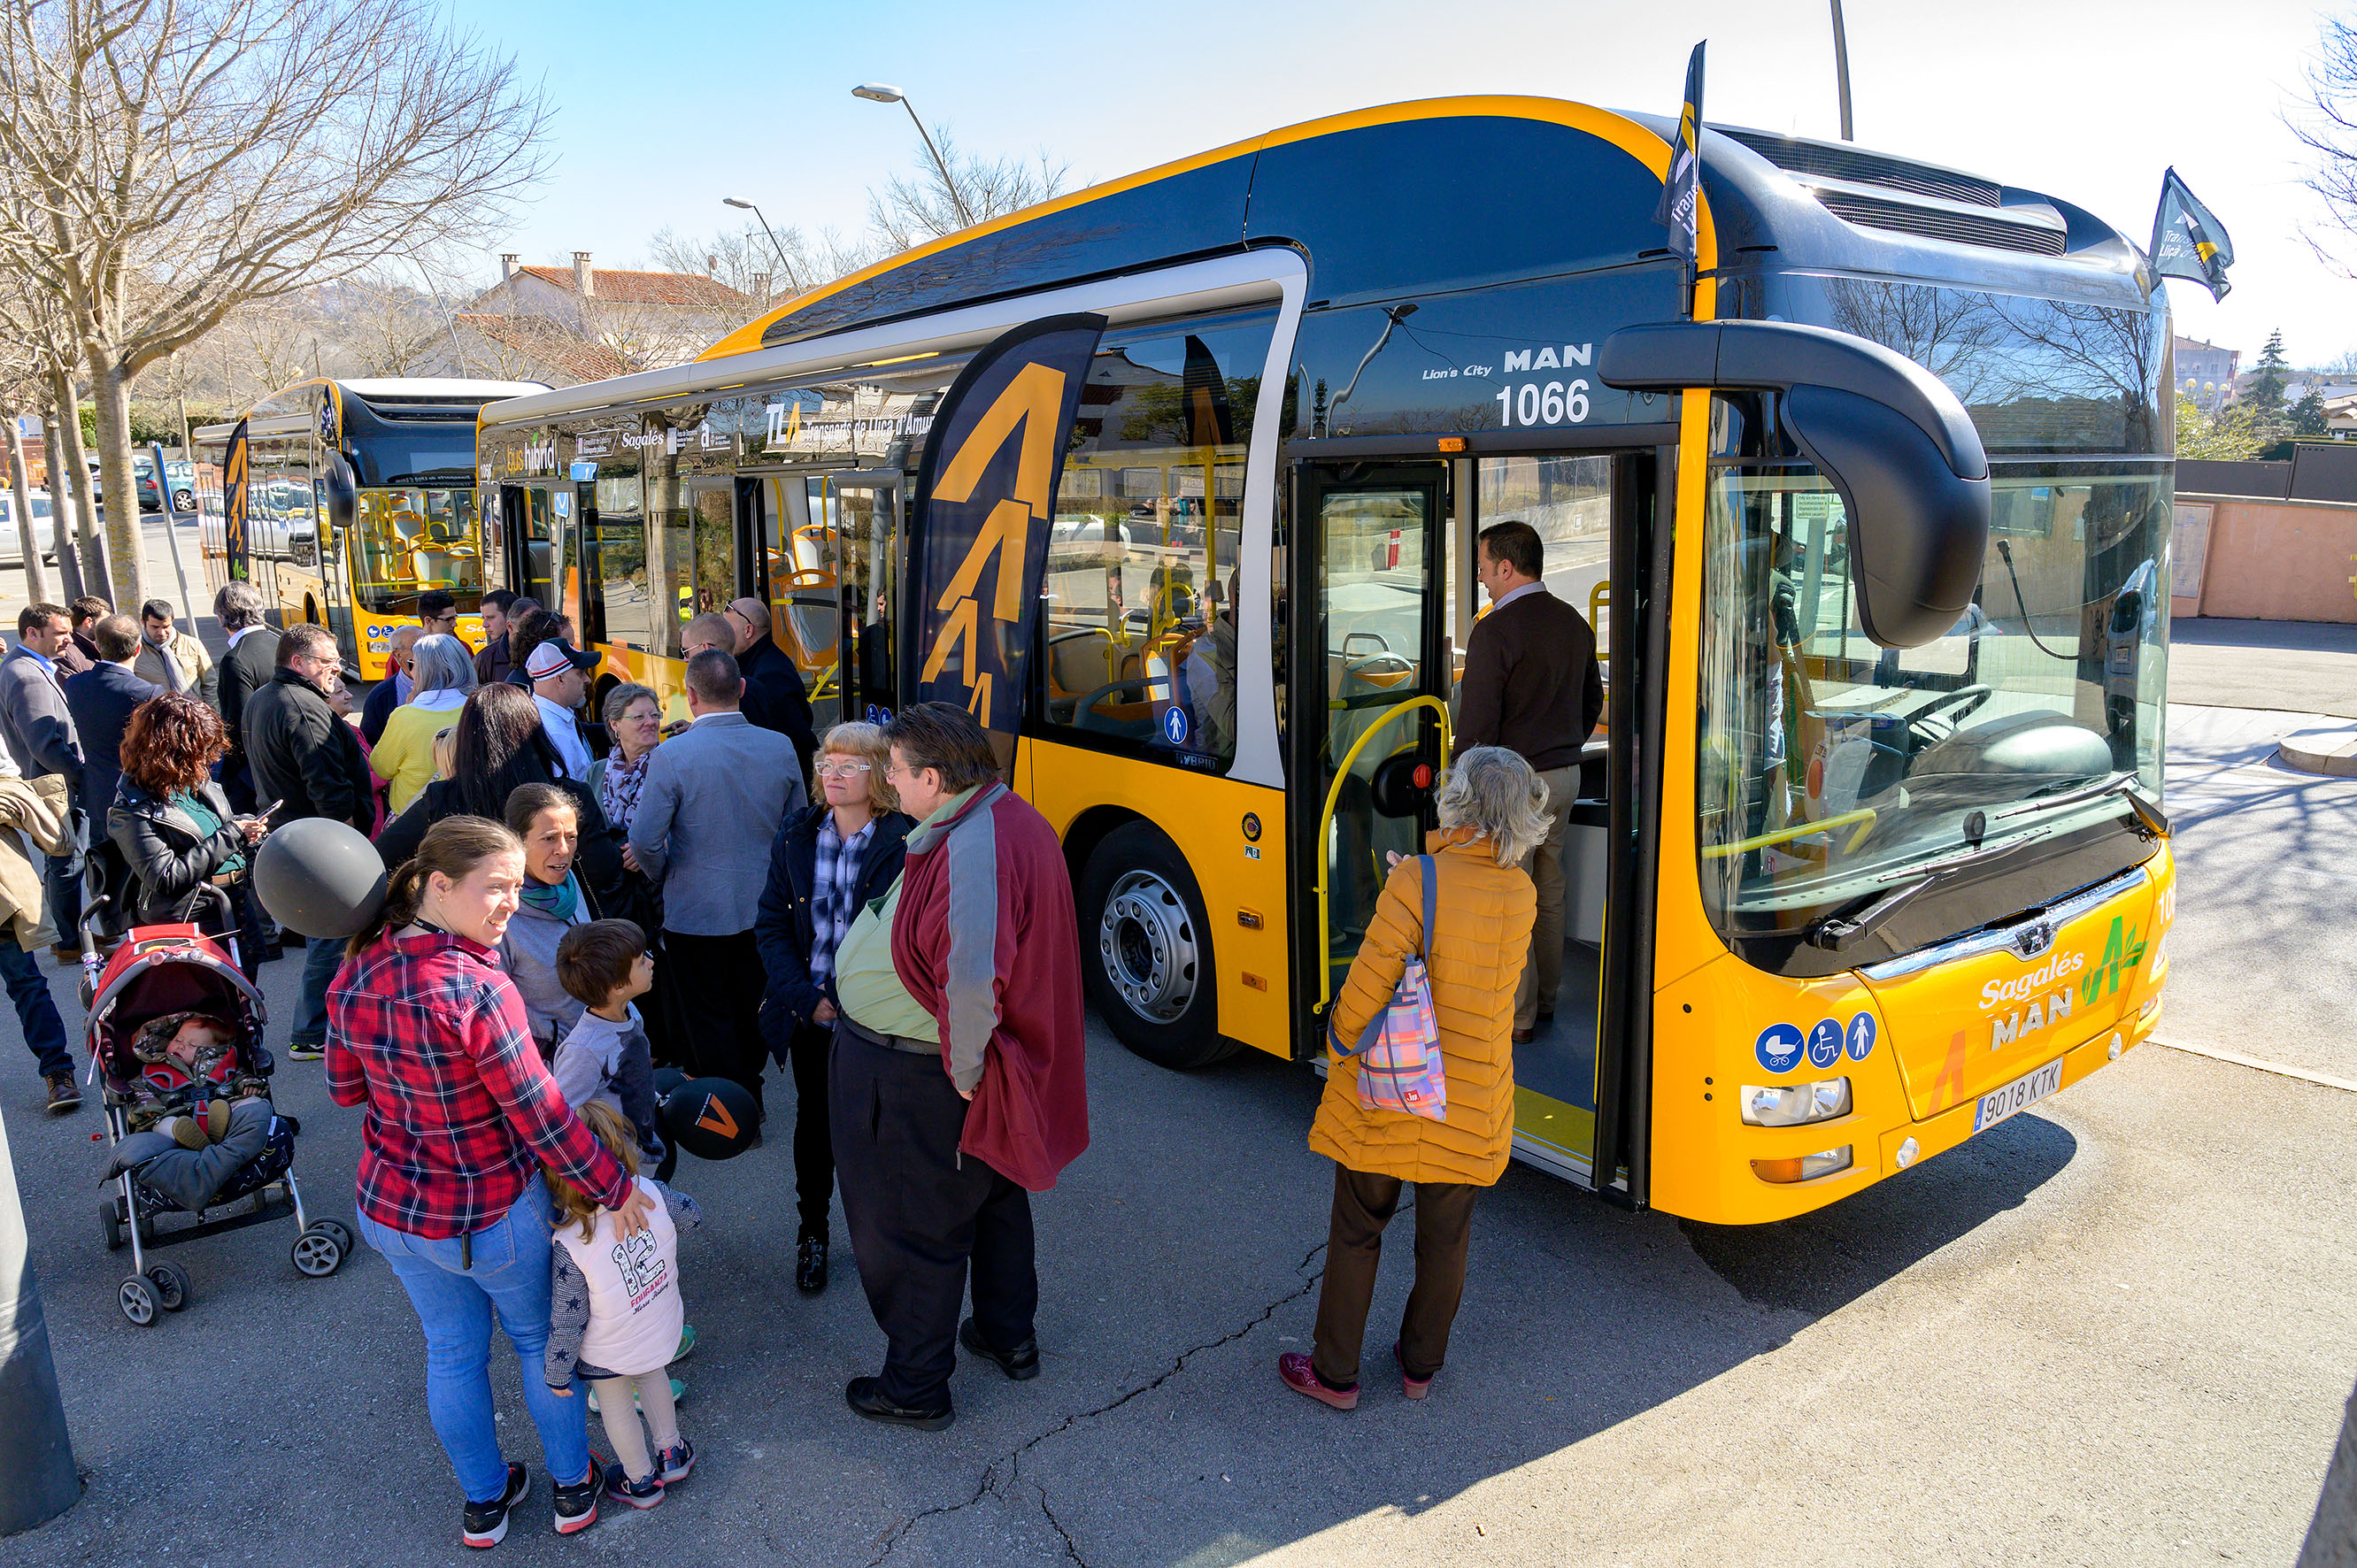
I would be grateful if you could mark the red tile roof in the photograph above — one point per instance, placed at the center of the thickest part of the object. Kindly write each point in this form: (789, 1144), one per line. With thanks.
(645, 288)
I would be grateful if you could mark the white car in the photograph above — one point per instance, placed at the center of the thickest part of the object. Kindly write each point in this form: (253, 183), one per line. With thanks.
(45, 527)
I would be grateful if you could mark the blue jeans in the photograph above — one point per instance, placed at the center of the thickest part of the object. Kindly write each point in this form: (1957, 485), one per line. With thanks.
(28, 988)
(509, 1277)
(320, 962)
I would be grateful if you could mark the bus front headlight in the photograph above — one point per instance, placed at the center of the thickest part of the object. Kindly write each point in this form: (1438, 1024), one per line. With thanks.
(1794, 1105)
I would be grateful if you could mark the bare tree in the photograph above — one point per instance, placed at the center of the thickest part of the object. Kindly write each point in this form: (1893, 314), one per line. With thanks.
(35, 324)
(2329, 127)
(19, 377)
(163, 162)
(908, 210)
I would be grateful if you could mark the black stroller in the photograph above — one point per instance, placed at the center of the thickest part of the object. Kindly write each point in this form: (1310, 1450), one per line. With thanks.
(175, 1028)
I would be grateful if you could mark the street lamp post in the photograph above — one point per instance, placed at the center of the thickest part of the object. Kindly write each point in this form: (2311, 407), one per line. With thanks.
(876, 93)
(772, 233)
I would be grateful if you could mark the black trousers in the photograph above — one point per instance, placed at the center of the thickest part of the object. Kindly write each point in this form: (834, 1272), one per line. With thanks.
(917, 1214)
(1363, 1204)
(813, 1137)
(719, 982)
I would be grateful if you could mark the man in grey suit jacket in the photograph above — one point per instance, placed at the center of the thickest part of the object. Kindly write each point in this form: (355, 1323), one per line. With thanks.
(710, 807)
(39, 731)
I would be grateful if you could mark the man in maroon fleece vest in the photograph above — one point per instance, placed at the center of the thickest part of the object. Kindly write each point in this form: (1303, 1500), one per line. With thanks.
(941, 1140)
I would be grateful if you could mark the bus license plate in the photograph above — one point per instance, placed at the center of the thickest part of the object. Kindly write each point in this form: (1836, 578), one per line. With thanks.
(2019, 1095)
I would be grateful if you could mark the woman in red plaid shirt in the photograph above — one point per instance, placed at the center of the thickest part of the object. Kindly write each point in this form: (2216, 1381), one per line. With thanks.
(427, 1032)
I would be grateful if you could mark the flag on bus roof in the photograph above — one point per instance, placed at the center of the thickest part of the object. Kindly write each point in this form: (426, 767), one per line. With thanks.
(1681, 188)
(986, 502)
(2188, 242)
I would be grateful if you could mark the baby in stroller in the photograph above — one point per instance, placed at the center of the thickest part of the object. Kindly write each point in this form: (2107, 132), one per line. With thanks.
(176, 1033)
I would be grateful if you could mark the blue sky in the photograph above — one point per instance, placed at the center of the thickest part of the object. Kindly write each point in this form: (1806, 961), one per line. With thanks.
(662, 111)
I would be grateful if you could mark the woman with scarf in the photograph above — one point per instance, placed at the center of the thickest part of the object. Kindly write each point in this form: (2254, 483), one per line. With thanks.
(553, 902)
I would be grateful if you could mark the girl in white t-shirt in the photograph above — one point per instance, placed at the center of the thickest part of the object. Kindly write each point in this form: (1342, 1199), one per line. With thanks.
(615, 1315)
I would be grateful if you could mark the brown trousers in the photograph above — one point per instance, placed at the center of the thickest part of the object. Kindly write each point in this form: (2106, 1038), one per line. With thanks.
(1363, 1204)
(1543, 973)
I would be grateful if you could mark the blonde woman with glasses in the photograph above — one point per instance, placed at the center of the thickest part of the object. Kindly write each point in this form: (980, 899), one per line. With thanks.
(829, 857)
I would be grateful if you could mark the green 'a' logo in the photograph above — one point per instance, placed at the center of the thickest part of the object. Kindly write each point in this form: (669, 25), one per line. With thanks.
(2121, 951)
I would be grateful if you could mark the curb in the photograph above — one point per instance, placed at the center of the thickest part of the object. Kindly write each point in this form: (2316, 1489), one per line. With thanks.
(2339, 762)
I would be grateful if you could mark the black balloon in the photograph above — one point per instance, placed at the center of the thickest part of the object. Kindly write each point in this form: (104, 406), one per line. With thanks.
(711, 1118)
(319, 878)
(666, 1079)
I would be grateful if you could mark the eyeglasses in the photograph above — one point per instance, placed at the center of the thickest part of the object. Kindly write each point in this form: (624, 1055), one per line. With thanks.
(843, 767)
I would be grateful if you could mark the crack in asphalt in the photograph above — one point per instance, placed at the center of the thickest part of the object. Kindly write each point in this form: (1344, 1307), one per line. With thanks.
(990, 1483)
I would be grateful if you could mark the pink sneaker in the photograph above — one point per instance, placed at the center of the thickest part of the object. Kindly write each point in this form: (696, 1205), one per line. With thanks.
(1415, 1388)
(1294, 1367)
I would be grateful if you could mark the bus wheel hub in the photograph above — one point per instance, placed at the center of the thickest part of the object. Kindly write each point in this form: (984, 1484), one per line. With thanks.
(1147, 945)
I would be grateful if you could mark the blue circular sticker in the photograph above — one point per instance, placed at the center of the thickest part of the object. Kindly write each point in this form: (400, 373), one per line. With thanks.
(1825, 1042)
(1779, 1048)
(1174, 725)
(1861, 1036)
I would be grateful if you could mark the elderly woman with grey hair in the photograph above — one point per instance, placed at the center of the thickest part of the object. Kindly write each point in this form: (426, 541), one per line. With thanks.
(634, 717)
(1492, 812)
(442, 671)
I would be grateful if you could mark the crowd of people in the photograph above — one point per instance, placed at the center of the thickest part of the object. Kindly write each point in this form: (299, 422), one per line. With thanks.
(576, 901)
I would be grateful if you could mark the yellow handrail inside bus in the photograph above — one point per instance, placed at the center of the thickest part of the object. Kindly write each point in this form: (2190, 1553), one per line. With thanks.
(1598, 598)
(1326, 824)
(1864, 816)
(825, 678)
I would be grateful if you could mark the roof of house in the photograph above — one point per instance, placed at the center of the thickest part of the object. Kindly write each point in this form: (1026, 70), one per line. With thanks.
(549, 343)
(645, 288)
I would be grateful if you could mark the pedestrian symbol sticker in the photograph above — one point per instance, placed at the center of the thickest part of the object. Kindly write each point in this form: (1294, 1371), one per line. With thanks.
(1174, 725)
(1861, 1036)
(1825, 1042)
(1779, 1048)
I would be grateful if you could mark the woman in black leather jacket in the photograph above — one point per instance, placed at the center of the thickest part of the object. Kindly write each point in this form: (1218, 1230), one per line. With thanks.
(855, 825)
(186, 851)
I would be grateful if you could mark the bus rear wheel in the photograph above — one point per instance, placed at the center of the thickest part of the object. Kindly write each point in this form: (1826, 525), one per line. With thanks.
(1147, 947)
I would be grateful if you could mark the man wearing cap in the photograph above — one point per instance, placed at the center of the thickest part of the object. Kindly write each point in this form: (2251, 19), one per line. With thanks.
(775, 698)
(559, 681)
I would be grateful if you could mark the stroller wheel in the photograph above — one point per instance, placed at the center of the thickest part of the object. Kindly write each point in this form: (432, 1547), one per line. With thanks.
(317, 1252)
(172, 1285)
(337, 1229)
(136, 1297)
(111, 1220)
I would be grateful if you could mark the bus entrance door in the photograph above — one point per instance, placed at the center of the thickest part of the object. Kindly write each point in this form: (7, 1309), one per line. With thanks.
(1370, 678)
(528, 531)
(844, 556)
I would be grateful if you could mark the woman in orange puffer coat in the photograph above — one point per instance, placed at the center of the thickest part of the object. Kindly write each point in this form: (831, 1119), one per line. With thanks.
(1492, 812)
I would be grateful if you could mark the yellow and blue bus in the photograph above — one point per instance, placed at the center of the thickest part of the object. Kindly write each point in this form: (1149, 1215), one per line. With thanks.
(405, 446)
(1873, 507)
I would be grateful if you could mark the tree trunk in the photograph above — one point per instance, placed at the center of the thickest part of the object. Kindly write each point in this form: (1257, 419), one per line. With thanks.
(63, 508)
(36, 579)
(126, 540)
(68, 455)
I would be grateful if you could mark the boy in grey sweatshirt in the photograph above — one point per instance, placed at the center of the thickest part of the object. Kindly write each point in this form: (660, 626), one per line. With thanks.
(602, 965)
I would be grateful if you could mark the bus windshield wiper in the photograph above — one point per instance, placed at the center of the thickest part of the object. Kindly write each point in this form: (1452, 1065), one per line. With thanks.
(2150, 822)
(1839, 933)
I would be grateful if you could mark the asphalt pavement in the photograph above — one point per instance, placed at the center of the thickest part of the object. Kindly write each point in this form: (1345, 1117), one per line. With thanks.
(2115, 1329)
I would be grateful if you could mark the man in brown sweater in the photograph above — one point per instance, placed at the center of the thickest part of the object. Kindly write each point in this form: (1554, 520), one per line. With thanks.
(1533, 686)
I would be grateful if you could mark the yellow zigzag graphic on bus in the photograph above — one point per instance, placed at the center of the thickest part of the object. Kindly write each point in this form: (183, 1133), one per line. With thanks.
(1032, 402)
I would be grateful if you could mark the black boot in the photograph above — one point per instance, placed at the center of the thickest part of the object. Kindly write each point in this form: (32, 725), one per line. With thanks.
(865, 1395)
(810, 1266)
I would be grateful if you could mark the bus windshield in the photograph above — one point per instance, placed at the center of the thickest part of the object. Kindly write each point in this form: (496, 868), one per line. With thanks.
(407, 542)
(1830, 767)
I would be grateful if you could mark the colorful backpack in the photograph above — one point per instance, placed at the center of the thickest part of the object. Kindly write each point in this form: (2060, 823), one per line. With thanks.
(1399, 1067)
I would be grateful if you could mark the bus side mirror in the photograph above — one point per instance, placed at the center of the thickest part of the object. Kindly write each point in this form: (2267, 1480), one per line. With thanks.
(343, 492)
(1886, 433)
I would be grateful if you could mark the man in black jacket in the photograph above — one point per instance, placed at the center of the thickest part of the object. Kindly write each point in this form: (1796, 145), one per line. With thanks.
(1531, 685)
(308, 760)
(100, 699)
(245, 669)
(775, 698)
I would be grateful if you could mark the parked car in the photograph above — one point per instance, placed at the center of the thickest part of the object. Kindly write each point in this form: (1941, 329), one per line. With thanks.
(45, 527)
(151, 494)
(183, 476)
